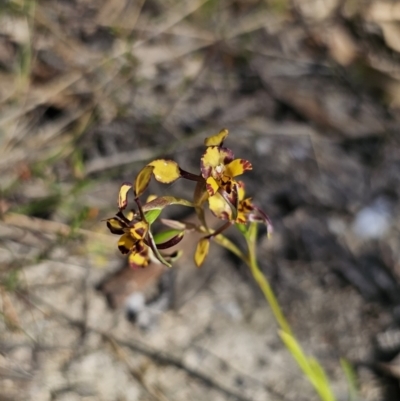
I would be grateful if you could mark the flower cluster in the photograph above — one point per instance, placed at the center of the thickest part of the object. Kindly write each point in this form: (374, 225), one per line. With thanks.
(217, 184)
(136, 238)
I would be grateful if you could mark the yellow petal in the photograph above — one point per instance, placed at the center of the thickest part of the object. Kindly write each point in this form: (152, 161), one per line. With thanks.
(201, 251)
(241, 190)
(139, 259)
(165, 171)
(218, 139)
(246, 205)
(211, 186)
(139, 230)
(230, 194)
(150, 198)
(115, 226)
(123, 195)
(237, 167)
(215, 158)
(143, 179)
(130, 215)
(125, 243)
(241, 217)
(219, 207)
(211, 157)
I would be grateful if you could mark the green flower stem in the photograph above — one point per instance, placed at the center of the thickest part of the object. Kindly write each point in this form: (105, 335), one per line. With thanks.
(230, 246)
(264, 284)
(310, 367)
(269, 296)
(251, 262)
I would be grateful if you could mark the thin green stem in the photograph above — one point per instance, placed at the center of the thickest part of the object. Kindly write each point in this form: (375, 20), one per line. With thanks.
(311, 368)
(230, 246)
(266, 288)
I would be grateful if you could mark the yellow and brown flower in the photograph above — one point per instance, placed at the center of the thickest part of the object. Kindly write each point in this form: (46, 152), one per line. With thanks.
(246, 210)
(132, 240)
(219, 169)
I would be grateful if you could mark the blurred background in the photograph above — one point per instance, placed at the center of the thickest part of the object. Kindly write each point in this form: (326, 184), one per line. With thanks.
(92, 90)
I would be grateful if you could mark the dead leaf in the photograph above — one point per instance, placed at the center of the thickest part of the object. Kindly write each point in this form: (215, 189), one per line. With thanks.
(342, 46)
(383, 11)
(391, 33)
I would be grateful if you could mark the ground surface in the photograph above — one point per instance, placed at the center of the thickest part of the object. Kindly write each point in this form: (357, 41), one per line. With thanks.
(90, 91)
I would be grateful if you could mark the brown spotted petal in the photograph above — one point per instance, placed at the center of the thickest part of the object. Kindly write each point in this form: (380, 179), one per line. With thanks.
(139, 256)
(237, 167)
(246, 205)
(123, 195)
(116, 226)
(211, 186)
(219, 207)
(126, 243)
(126, 219)
(224, 204)
(139, 230)
(230, 194)
(245, 208)
(234, 210)
(214, 160)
